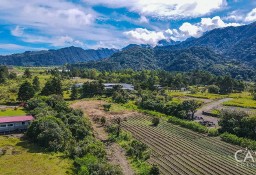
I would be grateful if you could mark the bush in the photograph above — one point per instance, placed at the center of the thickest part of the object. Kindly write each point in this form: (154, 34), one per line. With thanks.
(107, 107)
(91, 165)
(233, 139)
(120, 96)
(189, 124)
(139, 150)
(79, 127)
(87, 146)
(213, 89)
(50, 133)
(155, 121)
(154, 170)
(213, 132)
(254, 96)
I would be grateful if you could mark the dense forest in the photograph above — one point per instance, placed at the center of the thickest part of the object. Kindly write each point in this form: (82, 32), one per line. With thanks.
(219, 51)
(55, 57)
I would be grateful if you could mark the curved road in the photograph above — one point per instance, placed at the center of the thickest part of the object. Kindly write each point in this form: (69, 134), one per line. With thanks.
(208, 107)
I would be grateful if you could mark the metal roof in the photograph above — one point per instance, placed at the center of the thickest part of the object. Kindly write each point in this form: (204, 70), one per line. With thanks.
(16, 119)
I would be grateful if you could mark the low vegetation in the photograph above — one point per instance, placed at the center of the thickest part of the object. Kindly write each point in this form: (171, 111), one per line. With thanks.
(137, 151)
(18, 156)
(168, 100)
(4, 112)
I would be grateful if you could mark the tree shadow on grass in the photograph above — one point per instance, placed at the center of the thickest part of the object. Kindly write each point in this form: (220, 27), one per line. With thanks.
(31, 147)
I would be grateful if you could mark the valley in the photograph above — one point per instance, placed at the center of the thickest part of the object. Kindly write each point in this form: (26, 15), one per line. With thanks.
(158, 101)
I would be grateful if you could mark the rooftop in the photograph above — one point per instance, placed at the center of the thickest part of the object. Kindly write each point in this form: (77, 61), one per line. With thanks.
(16, 119)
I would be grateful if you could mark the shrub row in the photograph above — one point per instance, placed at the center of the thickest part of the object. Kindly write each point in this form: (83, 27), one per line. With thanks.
(188, 124)
(184, 123)
(233, 139)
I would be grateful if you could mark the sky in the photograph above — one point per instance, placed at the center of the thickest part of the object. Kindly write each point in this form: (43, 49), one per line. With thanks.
(91, 24)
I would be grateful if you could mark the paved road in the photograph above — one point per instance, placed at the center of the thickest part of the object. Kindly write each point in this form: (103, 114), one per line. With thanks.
(208, 107)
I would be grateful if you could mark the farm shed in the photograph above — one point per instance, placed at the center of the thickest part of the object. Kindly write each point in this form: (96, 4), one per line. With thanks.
(17, 123)
(124, 86)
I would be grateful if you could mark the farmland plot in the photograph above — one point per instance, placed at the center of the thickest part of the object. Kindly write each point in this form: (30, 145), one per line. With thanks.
(180, 151)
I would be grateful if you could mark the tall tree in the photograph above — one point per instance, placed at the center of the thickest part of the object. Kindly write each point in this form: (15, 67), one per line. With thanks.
(27, 73)
(3, 73)
(74, 93)
(12, 75)
(91, 89)
(36, 83)
(190, 106)
(26, 91)
(52, 86)
(226, 85)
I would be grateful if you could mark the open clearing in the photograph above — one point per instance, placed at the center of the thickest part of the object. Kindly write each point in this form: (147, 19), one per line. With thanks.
(18, 157)
(115, 154)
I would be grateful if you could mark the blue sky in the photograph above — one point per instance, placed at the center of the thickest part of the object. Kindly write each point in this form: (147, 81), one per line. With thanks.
(52, 24)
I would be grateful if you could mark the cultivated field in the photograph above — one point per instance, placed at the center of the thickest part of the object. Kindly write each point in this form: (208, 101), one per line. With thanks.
(180, 151)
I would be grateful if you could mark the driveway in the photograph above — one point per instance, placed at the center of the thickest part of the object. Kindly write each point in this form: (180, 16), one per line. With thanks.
(208, 107)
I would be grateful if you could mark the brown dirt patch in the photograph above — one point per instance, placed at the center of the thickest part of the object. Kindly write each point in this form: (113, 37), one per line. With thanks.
(94, 109)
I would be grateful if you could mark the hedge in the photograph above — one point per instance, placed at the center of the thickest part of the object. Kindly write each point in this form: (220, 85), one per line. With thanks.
(243, 142)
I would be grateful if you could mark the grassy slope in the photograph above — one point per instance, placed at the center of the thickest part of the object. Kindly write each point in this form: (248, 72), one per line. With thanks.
(243, 100)
(23, 158)
(12, 112)
(196, 95)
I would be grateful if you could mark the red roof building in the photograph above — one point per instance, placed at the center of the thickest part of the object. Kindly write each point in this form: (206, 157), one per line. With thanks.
(16, 123)
(16, 119)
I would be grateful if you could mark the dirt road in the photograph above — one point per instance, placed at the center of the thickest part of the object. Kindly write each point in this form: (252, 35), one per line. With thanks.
(208, 107)
(115, 154)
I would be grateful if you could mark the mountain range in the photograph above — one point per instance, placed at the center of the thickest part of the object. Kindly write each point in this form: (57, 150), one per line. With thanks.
(224, 50)
(227, 50)
(56, 57)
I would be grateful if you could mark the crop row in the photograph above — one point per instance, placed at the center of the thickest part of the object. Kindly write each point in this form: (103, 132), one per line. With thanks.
(179, 152)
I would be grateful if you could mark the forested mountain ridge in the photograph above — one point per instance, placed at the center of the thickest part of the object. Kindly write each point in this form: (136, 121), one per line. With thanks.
(220, 51)
(56, 57)
(221, 39)
(226, 50)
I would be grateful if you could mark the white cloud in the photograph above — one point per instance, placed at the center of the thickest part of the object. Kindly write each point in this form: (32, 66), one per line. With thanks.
(57, 41)
(196, 30)
(143, 19)
(67, 41)
(171, 9)
(17, 47)
(17, 31)
(55, 22)
(144, 36)
(190, 30)
(251, 16)
(56, 13)
(236, 15)
(186, 30)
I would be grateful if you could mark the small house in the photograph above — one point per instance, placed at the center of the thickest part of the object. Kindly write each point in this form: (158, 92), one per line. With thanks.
(158, 86)
(183, 89)
(17, 123)
(124, 86)
(79, 85)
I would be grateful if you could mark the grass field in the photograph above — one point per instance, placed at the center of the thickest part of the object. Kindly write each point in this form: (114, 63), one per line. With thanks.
(12, 112)
(204, 95)
(207, 96)
(243, 100)
(180, 151)
(22, 158)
